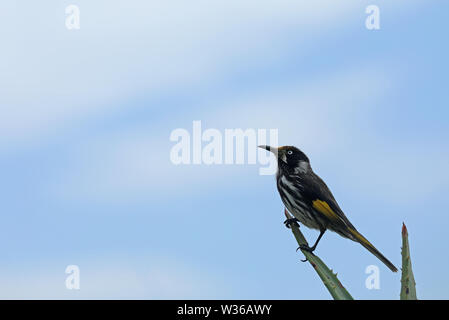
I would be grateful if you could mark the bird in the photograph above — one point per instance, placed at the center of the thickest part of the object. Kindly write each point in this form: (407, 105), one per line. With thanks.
(311, 202)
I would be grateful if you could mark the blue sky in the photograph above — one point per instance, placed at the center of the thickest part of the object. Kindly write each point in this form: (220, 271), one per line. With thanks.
(86, 116)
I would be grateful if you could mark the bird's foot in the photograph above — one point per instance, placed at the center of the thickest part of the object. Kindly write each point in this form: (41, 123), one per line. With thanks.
(306, 248)
(290, 221)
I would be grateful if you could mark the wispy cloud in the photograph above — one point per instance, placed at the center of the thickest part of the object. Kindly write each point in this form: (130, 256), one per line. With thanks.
(136, 160)
(123, 50)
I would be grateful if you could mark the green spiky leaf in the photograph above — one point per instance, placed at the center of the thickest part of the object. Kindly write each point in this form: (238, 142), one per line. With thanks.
(330, 280)
(408, 285)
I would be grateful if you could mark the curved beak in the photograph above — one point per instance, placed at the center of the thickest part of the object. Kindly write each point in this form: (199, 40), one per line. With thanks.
(271, 149)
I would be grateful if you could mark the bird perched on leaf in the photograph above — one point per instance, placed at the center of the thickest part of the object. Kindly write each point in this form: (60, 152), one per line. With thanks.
(311, 202)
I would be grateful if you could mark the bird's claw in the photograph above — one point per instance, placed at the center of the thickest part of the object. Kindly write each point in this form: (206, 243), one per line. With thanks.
(290, 221)
(306, 248)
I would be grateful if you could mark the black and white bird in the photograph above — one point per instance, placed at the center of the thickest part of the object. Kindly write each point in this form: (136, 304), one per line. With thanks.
(311, 202)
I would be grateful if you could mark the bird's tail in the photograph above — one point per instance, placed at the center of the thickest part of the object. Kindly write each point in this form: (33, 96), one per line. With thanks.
(362, 240)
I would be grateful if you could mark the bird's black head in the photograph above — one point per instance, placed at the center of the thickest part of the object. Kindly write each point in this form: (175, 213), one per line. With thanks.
(289, 156)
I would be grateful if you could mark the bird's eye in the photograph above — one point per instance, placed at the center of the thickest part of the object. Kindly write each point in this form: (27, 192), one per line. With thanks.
(290, 152)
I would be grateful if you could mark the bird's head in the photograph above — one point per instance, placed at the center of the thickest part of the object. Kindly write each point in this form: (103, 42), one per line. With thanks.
(289, 156)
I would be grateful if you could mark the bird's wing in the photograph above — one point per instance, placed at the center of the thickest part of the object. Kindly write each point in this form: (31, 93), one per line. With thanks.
(323, 201)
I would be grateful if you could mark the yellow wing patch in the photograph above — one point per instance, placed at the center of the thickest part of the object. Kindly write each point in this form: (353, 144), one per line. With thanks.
(324, 208)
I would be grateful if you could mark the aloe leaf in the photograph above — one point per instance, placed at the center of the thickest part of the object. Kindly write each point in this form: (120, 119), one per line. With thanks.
(408, 284)
(330, 280)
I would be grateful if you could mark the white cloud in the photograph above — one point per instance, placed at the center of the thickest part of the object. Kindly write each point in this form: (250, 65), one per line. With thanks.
(319, 117)
(52, 78)
(135, 162)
